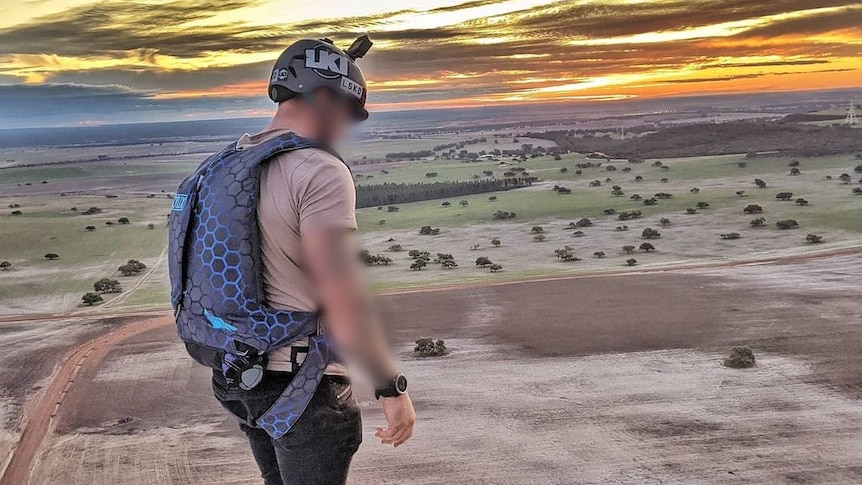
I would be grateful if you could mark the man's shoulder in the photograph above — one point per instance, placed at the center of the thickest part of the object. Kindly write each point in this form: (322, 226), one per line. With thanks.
(311, 160)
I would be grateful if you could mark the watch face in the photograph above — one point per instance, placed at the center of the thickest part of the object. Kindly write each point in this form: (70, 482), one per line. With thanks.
(401, 384)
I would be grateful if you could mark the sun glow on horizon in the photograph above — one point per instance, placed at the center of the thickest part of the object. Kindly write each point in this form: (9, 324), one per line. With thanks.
(437, 53)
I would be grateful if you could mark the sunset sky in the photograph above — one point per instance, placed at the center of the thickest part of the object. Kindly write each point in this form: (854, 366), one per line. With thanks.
(89, 61)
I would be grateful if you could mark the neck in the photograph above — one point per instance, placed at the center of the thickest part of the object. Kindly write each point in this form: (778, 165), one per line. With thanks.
(289, 116)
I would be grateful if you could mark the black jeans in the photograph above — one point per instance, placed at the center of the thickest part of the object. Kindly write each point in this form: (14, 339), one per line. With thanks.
(319, 447)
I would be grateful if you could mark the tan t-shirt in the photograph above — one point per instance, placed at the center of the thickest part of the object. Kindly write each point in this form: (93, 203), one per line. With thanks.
(299, 191)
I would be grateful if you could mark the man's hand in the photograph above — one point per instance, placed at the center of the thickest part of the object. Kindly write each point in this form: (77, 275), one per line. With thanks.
(400, 418)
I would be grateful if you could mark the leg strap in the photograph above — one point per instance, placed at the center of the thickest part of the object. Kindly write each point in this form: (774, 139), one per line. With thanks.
(287, 409)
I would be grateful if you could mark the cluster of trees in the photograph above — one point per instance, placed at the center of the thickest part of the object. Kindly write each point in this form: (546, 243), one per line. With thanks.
(503, 215)
(388, 193)
(484, 262)
(373, 259)
(429, 231)
(429, 347)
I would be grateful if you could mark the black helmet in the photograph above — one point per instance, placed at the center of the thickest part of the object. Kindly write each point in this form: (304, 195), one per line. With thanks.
(310, 64)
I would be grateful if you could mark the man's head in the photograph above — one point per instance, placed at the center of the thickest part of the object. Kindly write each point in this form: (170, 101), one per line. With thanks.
(322, 82)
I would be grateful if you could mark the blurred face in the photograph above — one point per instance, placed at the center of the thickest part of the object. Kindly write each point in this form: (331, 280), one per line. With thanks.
(334, 115)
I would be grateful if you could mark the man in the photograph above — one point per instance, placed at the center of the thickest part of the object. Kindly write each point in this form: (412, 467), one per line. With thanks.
(275, 361)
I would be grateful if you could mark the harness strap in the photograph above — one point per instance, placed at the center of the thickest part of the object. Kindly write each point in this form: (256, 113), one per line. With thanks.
(287, 409)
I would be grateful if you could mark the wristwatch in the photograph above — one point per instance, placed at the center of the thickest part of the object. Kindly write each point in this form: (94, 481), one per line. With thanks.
(397, 386)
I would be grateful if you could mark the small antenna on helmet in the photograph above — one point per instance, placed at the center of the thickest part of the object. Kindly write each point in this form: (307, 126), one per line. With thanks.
(359, 47)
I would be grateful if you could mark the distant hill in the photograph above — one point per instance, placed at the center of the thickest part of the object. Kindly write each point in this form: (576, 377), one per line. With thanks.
(719, 139)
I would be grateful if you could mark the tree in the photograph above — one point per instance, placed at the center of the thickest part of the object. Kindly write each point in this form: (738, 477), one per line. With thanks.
(5, 265)
(621, 228)
(695, 190)
(610, 212)
(753, 209)
(448, 264)
(496, 268)
(493, 198)
(537, 230)
(650, 233)
(845, 178)
(107, 285)
(795, 171)
(787, 224)
(429, 231)
(496, 242)
(636, 197)
(801, 201)
(91, 299)
(629, 249)
(646, 247)
(17, 213)
(740, 193)
(132, 267)
(123, 220)
(540, 238)
(857, 191)
(691, 210)
(617, 193)
(740, 358)
(664, 221)
(760, 183)
(784, 196)
(814, 239)
(702, 205)
(395, 248)
(651, 201)
(446, 204)
(730, 236)
(151, 226)
(418, 265)
(483, 262)
(464, 203)
(90, 228)
(793, 163)
(631, 262)
(584, 222)
(599, 254)
(759, 222)
(51, 256)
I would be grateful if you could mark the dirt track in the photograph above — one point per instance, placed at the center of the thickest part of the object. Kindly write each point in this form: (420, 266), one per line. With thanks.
(526, 337)
(40, 417)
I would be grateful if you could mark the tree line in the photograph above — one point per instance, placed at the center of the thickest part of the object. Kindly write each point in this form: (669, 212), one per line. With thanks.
(389, 193)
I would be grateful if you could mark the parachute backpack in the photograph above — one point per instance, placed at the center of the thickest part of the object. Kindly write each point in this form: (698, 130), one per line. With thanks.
(216, 281)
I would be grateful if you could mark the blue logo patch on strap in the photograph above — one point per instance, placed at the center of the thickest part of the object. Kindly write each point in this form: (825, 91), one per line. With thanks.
(219, 323)
(180, 202)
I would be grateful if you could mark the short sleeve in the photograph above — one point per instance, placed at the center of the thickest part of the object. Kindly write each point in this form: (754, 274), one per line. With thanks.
(327, 197)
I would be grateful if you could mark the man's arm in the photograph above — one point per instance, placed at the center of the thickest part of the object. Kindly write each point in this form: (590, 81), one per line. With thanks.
(330, 256)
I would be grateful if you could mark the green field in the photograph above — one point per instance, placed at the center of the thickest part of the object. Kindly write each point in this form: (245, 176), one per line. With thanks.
(47, 225)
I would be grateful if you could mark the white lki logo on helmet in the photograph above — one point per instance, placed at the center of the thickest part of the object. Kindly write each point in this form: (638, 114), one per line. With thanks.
(326, 63)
